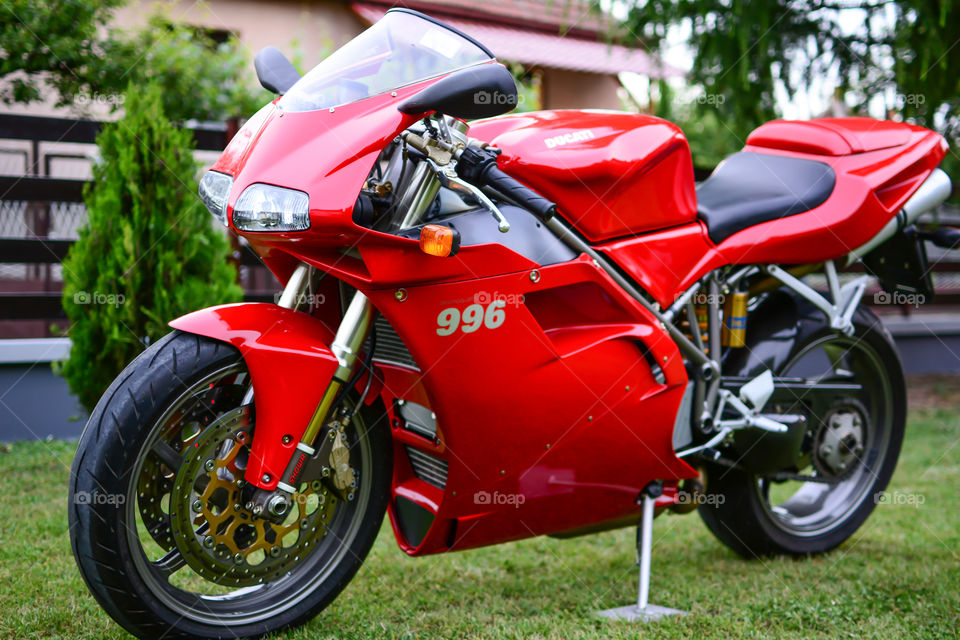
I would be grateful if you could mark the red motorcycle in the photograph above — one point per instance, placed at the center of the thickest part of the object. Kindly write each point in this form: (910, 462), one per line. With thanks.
(532, 324)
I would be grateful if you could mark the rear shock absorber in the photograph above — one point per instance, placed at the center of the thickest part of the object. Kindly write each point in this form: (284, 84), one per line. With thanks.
(735, 320)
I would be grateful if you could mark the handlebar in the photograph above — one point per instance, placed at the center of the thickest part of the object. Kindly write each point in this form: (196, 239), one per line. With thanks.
(479, 166)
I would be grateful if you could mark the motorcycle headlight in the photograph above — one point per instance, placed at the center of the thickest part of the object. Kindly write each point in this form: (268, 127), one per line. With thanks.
(214, 191)
(264, 207)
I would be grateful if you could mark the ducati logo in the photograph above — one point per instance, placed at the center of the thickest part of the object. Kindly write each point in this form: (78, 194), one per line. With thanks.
(567, 138)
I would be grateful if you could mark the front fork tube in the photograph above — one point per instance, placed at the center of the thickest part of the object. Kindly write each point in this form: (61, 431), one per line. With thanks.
(353, 332)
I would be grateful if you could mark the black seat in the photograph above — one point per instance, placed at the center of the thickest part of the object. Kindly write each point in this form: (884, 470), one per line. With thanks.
(750, 188)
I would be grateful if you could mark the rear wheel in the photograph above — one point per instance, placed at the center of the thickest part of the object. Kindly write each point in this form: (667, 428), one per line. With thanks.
(158, 526)
(849, 453)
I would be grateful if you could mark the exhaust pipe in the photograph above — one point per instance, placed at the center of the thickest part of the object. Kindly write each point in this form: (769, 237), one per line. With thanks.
(931, 194)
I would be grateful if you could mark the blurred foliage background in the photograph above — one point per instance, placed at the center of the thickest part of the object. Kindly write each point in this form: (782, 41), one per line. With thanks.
(745, 52)
(82, 55)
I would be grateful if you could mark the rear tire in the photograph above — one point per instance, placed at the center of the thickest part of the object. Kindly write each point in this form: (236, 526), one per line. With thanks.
(738, 509)
(104, 484)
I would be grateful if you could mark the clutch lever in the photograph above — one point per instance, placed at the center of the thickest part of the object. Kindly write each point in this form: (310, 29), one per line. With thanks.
(448, 178)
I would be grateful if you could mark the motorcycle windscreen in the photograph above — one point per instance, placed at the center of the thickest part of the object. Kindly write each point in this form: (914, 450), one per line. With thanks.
(402, 48)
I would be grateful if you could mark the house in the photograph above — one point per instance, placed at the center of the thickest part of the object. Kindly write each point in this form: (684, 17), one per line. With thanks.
(562, 44)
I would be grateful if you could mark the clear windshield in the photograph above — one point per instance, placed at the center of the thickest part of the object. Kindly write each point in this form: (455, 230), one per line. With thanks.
(400, 49)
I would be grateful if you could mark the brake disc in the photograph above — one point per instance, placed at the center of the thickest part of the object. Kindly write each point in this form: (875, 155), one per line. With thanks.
(155, 483)
(217, 535)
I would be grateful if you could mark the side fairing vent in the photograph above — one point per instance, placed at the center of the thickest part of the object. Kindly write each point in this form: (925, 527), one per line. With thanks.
(390, 347)
(428, 468)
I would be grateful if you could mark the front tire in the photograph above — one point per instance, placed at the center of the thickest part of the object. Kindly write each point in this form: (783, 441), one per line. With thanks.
(123, 504)
(758, 516)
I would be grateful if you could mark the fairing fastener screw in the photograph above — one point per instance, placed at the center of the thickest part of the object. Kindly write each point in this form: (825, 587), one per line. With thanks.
(400, 295)
(534, 276)
(266, 477)
(287, 439)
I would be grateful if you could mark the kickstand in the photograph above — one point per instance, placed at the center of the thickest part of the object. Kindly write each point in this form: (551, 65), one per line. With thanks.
(643, 611)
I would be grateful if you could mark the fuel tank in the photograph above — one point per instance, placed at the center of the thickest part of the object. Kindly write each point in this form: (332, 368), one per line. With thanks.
(612, 174)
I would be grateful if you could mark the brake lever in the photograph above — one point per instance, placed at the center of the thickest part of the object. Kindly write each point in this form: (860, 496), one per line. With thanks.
(448, 178)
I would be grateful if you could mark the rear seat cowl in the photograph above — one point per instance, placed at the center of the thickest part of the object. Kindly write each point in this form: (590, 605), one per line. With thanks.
(830, 136)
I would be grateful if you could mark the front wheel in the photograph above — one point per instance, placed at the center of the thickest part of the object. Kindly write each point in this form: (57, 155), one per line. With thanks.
(848, 454)
(157, 524)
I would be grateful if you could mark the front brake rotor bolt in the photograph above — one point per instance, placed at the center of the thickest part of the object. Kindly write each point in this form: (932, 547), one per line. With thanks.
(353, 484)
(304, 524)
(238, 559)
(210, 465)
(208, 542)
(325, 472)
(257, 509)
(350, 495)
(250, 506)
(274, 552)
(197, 506)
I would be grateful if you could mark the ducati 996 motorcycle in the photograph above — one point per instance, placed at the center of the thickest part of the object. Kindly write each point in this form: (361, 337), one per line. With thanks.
(532, 324)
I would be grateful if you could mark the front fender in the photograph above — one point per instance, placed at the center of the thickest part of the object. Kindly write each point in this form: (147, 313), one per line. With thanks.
(290, 367)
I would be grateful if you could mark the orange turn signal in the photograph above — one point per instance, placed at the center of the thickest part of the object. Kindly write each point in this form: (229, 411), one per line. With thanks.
(437, 240)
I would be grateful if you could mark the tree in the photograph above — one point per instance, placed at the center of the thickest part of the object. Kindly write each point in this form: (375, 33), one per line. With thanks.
(68, 48)
(744, 49)
(150, 251)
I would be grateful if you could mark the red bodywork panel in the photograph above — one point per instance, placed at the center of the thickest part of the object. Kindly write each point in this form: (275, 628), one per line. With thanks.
(611, 174)
(574, 421)
(571, 402)
(283, 349)
(872, 186)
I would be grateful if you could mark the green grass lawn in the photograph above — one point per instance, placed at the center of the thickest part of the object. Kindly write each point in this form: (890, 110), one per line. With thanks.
(898, 577)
